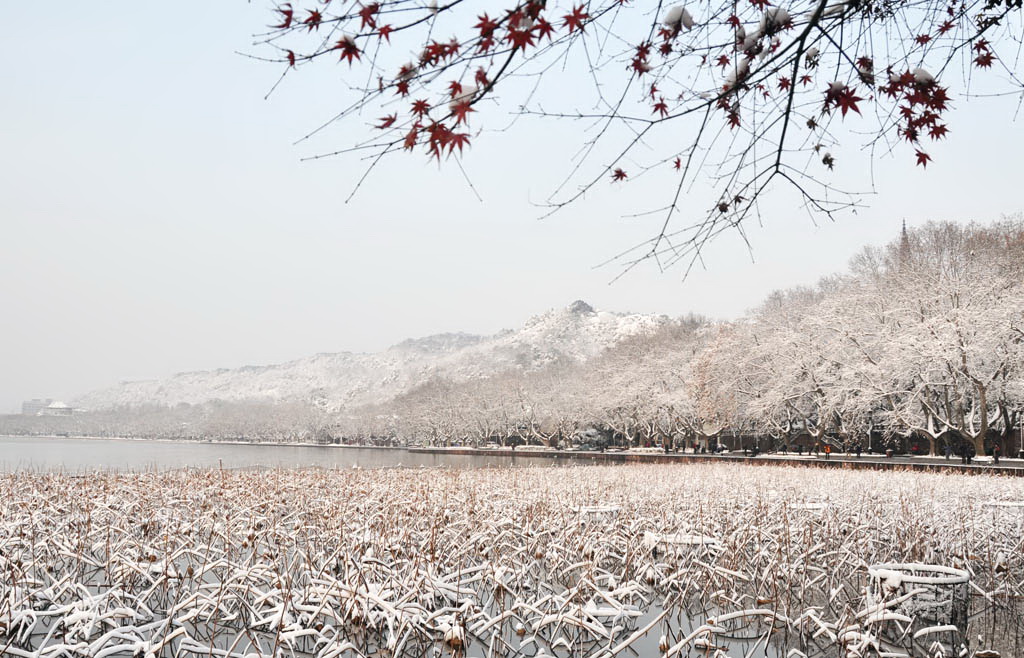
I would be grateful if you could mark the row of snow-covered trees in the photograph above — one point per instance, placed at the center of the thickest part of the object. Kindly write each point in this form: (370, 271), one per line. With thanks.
(921, 341)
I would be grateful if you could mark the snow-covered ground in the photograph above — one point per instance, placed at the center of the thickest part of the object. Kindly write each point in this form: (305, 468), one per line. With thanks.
(597, 561)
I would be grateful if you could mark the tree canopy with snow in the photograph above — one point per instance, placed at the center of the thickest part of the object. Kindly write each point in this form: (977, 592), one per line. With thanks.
(746, 96)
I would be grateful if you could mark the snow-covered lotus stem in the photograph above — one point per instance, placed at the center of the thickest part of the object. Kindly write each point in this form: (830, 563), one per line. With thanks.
(942, 591)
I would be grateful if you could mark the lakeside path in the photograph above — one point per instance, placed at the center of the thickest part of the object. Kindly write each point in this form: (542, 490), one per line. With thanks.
(1009, 467)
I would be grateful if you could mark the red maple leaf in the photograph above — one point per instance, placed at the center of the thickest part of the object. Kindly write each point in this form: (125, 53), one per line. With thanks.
(438, 136)
(984, 60)
(805, 80)
(661, 107)
(980, 45)
(576, 19)
(640, 66)
(388, 121)
(534, 7)
(723, 61)
(291, 58)
(367, 13)
(847, 100)
(410, 138)
(432, 53)
(454, 88)
(734, 119)
(287, 13)
(520, 38)
(928, 118)
(515, 18)
(733, 20)
(461, 112)
(945, 27)
(938, 98)
(937, 131)
(486, 26)
(784, 83)
(420, 107)
(385, 32)
(923, 158)
(481, 77)
(922, 39)
(618, 175)
(348, 49)
(544, 28)
(678, 163)
(402, 88)
(760, 4)
(459, 140)
(313, 20)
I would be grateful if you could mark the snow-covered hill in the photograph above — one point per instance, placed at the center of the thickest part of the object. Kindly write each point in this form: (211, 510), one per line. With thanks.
(348, 379)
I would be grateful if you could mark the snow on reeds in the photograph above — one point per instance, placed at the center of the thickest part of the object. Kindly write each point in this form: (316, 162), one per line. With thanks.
(588, 561)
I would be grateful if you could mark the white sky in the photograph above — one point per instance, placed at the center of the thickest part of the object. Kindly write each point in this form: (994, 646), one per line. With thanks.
(155, 217)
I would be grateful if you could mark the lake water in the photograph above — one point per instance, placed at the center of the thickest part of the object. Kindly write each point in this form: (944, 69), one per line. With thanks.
(75, 455)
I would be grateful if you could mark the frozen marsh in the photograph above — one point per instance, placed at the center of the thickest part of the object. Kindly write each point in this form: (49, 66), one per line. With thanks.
(699, 560)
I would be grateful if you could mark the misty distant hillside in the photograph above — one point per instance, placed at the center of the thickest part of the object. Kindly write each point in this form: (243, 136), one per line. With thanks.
(345, 379)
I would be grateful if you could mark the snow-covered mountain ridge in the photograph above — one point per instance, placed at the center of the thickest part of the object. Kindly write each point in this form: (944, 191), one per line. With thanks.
(347, 379)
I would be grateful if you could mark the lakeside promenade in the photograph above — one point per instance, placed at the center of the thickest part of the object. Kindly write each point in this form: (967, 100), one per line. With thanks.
(1008, 467)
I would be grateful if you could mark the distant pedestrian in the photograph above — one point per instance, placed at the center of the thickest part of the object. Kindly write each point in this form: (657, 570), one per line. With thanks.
(858, 451)
(828, 450)
(995, 453)
(963, 453)
(948, 450)
(971, 452)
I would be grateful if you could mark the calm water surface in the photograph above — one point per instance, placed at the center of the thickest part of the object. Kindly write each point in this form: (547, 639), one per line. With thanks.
(74, 455)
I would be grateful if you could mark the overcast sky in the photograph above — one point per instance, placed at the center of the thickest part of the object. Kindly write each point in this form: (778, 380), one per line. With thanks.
(156, 216)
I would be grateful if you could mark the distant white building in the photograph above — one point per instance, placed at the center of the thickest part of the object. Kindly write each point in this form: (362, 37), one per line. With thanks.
(34, 406)
(56, 408)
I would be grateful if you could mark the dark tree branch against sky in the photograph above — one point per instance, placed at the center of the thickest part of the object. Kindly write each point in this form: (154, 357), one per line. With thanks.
(743, 97)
